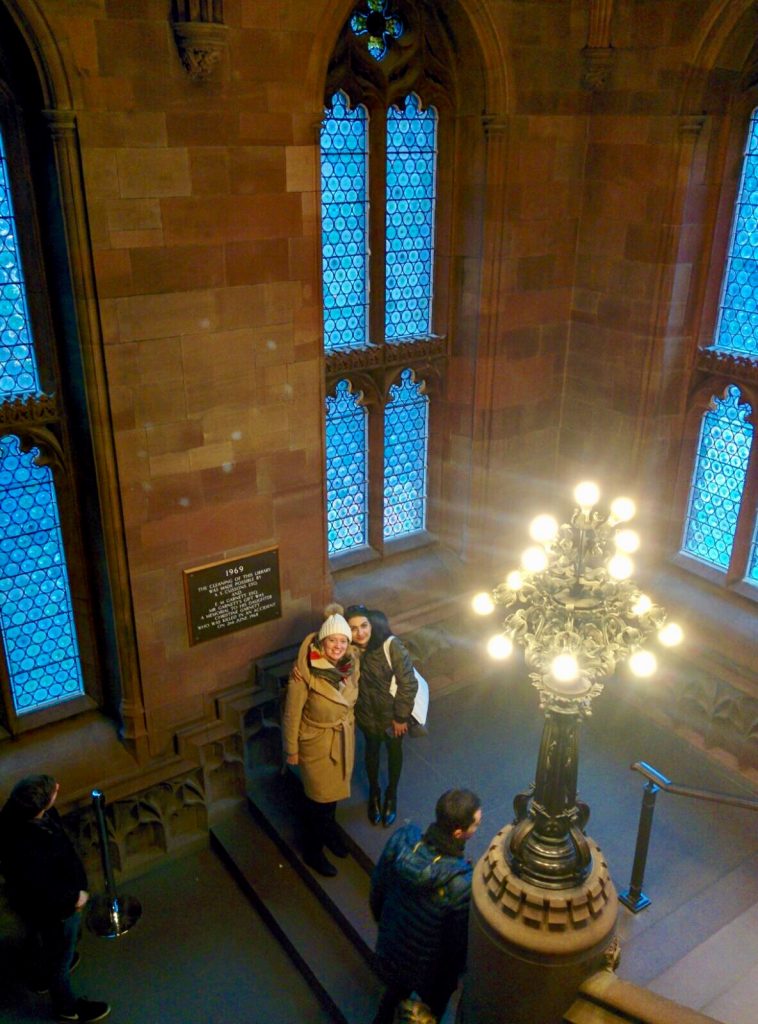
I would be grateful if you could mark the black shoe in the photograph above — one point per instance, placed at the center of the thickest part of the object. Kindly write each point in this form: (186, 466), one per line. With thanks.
(337, 845)
(86, 1010)
(319, 863)
(374, 810)
(389, 812)
(39, 987)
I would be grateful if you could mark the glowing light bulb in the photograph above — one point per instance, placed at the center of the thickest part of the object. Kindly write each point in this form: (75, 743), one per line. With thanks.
(643, 663)
(565, 668)
(543, 529)
(534, 559)
(671, 634)
(483, 604)
(514, 580)
(499, 647)
(586, 494)
(642, 605)
(627, 541)
(620, 567)
(622, 510)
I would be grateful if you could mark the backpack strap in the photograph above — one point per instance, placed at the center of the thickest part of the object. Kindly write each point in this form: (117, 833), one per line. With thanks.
(393, 681)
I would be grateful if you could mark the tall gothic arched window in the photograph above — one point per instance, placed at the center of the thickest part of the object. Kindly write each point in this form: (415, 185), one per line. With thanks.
(737, 325)
(382, 318)
(719, 472)
(49, 652)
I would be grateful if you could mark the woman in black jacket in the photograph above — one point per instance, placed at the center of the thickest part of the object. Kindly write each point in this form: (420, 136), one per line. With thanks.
(385, 703)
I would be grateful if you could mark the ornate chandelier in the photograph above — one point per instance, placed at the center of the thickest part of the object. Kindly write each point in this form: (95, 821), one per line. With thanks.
(573, 606)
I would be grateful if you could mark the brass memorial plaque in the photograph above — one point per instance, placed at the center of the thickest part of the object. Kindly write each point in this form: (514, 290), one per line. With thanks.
(222, 597)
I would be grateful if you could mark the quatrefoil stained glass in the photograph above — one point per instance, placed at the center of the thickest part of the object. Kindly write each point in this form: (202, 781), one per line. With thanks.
(378, 25)
(406, 442)
(36, 615)
(18, 365)
(737, 327)
(718, 480)
(411, 198)
(346, 471)
(344, 215)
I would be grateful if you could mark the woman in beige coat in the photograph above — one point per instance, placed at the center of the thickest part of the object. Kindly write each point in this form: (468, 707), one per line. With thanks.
(319, 732)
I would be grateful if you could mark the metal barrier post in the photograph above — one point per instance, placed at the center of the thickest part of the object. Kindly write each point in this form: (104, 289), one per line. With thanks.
(634, 897)
(109, 915)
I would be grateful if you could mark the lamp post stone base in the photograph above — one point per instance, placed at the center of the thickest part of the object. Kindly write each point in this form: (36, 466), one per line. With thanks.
(530, 947)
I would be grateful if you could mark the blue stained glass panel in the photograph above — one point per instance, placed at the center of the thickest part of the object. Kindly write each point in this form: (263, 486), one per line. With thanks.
(406, 444)
(344, 220)
(718, 480)
(411, 200)
(36, 616)
(346, 471)
(737, 326)
(18, 364)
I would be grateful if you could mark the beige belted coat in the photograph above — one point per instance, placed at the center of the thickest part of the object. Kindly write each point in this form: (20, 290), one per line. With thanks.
(319, 726)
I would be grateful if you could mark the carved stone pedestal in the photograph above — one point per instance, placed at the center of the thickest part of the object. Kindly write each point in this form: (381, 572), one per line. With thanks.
(531, 947)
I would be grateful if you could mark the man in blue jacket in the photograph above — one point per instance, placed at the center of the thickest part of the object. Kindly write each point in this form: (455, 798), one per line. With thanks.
(420, 894)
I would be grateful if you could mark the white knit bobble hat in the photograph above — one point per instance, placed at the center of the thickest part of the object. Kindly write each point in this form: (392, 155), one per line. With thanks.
(335, 624)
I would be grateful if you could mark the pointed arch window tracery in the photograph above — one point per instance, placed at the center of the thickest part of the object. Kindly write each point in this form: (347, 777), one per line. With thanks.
(383, 288)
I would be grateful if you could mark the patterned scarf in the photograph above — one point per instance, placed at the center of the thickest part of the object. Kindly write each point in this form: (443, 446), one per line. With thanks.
(320, 666)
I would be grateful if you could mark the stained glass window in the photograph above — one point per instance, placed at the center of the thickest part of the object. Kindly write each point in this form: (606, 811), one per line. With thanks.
(718, 480)
(346, 471)
(344, 217)
(36, 617)
(406, 435)
(737, 327)
(18, 366)
(379, 25)
(411, 194)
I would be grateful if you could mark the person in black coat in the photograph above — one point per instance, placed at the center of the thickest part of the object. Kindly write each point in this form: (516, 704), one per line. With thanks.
(383, 711)
(47, 887)
(420, 896)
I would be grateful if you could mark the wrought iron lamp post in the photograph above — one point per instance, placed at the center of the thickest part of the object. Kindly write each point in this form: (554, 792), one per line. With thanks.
(543, 886)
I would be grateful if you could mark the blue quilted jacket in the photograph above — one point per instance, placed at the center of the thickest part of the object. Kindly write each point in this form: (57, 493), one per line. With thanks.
(420, 897)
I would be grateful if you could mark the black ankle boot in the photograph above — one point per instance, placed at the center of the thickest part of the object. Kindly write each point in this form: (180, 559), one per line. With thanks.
(316, 860)
(336, 844)
(389, 811)
(374, 809)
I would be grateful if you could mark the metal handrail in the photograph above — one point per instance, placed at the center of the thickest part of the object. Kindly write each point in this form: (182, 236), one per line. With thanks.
(634, 897)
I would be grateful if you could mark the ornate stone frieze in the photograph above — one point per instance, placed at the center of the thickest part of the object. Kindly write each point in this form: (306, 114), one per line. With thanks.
(34, 409)
(146, 826)
(728, 364)
(369, 357)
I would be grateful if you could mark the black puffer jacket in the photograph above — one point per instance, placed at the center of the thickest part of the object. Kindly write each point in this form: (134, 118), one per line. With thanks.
(420, 894)
(377, 708)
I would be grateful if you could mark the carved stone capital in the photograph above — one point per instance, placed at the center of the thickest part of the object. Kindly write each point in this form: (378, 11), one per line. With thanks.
(200, 45)
(598, 62)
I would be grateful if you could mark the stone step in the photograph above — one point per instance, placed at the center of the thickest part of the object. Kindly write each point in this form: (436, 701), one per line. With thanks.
(321, 939)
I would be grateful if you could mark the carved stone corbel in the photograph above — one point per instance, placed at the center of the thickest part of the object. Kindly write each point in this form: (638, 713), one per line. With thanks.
(598, 53)
(200, 34)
